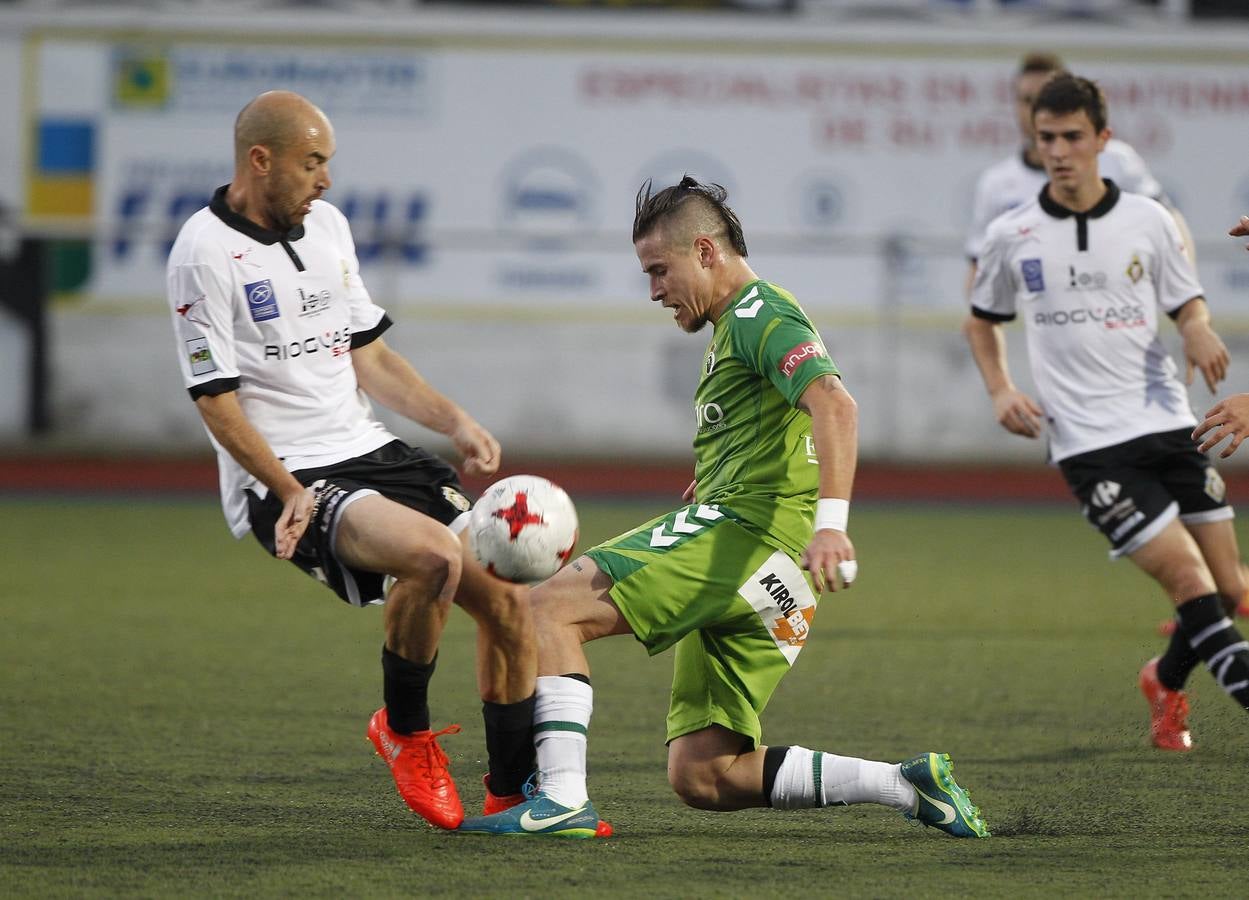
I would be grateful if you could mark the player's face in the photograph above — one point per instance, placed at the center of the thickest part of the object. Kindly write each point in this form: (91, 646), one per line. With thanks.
(299, 174)
(1068, 145)
(1027, 86)
(678, 279)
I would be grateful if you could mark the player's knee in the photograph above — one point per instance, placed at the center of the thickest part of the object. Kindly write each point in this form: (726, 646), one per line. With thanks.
(435, 565)
(697, 787)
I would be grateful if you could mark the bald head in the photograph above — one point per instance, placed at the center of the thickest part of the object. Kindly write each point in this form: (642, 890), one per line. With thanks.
(277, 120)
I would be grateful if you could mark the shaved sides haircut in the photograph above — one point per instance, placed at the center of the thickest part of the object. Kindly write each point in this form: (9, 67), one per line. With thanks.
(686, 210)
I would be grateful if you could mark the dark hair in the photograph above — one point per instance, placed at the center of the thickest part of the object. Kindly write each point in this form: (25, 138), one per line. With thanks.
(1066, 93)
(1040, 61)
(652, 209)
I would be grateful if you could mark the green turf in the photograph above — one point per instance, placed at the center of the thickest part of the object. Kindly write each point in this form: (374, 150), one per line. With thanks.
(184, 717)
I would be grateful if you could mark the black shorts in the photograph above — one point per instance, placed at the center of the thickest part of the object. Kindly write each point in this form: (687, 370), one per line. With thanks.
(1133, 490)
(407, 475)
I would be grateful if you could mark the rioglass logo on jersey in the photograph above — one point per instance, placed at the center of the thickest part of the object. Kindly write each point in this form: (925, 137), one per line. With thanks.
(200, 356)
(1107, 316)
(312, 302)
(1084, 281)
(338, 343)
(261, 301)
(796, 356)
(1033, 274)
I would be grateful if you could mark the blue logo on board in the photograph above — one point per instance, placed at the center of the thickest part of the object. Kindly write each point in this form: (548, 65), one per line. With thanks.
(1032, 274)
(261, 302)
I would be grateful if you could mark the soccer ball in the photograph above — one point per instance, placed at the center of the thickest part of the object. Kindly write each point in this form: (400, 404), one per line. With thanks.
(523, 528)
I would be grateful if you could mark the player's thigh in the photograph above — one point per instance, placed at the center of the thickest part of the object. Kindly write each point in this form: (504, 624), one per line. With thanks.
(1219, 547)
(1174, 560)
(578, 596)
(380, 535)
(682, 572)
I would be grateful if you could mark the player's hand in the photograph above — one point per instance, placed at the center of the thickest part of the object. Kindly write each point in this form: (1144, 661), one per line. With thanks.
(1240, 229)
(1206, 351)
(1018, 413)
(481, 452)
(1228, 418)
(829, 555)
(688, 496)
(291, 525)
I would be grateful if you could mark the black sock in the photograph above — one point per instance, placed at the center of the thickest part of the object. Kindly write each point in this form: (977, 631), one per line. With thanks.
(1178, 662)
(1215, 639)
(405, 685)
(772, 759)
(509, 744)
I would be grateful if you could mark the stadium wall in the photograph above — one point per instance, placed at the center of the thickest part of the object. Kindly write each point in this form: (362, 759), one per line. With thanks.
(489, 163)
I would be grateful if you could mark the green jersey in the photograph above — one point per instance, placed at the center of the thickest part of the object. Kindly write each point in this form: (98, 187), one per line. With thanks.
(753, 449)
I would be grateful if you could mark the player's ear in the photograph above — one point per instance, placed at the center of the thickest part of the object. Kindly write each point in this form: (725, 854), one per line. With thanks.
(260, 158)
(1103, 136)
(706, 249)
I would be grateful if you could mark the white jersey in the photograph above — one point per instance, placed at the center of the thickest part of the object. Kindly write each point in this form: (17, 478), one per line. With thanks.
(274, 316)
(1012, 182)
(1089, 286)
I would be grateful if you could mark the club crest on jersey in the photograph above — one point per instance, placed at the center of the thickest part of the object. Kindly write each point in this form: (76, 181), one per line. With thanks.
(262, 302)
(796, 356)
(1033, 274)
(1135, 270)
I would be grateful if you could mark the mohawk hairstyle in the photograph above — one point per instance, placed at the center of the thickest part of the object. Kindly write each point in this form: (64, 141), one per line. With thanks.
(654, 208)
(1066, 93)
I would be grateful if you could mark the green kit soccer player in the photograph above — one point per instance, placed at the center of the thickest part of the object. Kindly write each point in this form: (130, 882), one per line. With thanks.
(722, 579)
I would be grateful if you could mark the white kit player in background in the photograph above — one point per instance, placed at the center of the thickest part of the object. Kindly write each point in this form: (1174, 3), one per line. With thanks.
(1018, 178)
(1089, 268)
(281, 349)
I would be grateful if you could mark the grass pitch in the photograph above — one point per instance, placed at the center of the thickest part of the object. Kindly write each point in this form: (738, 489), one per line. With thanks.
(183, 716)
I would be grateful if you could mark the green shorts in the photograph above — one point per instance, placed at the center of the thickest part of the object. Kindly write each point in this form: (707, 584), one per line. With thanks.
(737, 609)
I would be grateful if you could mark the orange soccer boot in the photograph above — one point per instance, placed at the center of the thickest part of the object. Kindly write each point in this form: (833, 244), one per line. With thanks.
(420, 770)
(496, 804)
(1168, 711)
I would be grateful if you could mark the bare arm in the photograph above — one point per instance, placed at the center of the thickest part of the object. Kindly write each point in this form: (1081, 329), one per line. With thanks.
(1203, 348)
(226, 422)
(1015, 411)
(835, 430)
(390, 380)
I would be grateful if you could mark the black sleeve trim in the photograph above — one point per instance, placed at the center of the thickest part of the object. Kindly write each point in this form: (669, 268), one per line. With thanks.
(213, 388)
(1175, 313)
(363, 338)
(991, 316)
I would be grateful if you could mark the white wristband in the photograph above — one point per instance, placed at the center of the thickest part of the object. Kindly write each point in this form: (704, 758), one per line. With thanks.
(832, 514)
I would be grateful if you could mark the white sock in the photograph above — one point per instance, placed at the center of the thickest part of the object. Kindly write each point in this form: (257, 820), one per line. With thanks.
(809, 778)
(561, 717)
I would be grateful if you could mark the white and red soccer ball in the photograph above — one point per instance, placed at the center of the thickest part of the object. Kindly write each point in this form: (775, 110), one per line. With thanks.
(523, 528)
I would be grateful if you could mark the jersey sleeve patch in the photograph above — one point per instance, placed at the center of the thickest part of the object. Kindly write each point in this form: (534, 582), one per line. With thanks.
(800, 353)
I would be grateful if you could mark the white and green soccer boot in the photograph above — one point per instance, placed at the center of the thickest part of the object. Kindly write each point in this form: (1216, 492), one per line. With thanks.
(942, 803)
(540, 815)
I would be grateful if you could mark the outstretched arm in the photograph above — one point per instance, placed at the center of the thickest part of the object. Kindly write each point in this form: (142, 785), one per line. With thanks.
(1015, 411)
(390, 380)
(834, 428)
